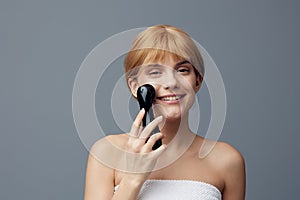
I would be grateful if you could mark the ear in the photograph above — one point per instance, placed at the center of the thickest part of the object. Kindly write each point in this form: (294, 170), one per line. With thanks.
(199, 80)
(133, 85)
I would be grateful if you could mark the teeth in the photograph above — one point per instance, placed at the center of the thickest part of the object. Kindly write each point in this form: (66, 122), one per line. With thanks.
(173, 98)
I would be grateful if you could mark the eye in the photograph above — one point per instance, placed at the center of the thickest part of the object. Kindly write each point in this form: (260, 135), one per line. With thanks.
(154, 72)
(183, 70)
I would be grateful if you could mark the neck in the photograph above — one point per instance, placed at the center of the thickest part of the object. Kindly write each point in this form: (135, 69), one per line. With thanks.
(177, 132)
(179, 139)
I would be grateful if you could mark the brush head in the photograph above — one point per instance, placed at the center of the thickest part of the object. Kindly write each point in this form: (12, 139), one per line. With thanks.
(145, 96)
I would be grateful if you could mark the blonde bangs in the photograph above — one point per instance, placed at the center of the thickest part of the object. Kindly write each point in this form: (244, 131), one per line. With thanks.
(158, 43)
(151, 55)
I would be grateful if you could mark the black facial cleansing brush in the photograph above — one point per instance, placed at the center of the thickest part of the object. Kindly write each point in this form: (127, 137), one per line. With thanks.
(146, 95)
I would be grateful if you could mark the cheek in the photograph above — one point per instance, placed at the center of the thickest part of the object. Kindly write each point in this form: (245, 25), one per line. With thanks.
(193, 84)
(189, 84)
(144, 80)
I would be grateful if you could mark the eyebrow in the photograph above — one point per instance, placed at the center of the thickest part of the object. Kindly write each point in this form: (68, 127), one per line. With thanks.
(177, 64)
(182, 62)
(154, 65)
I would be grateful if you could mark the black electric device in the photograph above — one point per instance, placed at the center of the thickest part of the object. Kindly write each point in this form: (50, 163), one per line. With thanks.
(145, 96)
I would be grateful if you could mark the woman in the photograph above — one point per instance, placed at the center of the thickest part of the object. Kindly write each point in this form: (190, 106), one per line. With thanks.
(124, 166)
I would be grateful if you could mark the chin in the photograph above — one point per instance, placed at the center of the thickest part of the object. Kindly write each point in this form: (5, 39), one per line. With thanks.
(172, 116)
(169, 114)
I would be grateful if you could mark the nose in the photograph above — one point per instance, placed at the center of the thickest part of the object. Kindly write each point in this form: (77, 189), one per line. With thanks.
(170, 80)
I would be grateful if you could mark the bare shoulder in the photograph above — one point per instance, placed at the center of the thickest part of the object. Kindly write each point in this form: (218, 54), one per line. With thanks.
(231, 165)
(117, 140)
(109, 148)
(228, 156)
(228, 151)
(100, 171)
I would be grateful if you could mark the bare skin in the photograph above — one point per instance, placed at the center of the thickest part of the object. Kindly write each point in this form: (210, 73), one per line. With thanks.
(223, 167)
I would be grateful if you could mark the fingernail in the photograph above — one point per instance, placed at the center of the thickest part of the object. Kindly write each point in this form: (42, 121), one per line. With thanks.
(160, 118)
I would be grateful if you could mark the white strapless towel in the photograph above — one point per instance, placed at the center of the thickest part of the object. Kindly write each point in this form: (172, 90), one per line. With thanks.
(178, 190)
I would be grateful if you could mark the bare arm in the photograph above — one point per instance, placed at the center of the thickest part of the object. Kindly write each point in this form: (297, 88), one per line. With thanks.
(234, 176)
(100, 183)
(99, 180)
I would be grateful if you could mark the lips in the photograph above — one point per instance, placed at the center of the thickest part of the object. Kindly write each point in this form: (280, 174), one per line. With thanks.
(171, 97)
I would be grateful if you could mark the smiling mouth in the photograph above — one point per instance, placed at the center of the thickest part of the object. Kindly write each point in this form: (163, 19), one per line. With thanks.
(171, 98)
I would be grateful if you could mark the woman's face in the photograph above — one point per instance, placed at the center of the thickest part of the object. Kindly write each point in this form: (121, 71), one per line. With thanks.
(175, 83)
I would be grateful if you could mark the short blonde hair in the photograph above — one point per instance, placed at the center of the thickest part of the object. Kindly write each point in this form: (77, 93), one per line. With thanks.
(156, 42)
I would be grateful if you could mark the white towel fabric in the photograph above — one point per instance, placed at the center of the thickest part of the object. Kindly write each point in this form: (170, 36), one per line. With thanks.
(178, 190)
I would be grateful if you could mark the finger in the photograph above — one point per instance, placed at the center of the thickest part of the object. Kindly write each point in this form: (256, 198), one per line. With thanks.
(151, 141)
(138, 120)
(136, 126)
(159, 150)
(150, 127)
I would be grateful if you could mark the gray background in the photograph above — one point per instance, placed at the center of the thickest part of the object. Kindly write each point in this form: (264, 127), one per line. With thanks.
(42, 44)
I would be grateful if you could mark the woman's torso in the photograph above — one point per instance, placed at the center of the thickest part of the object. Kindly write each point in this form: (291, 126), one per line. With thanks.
(190, 167)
